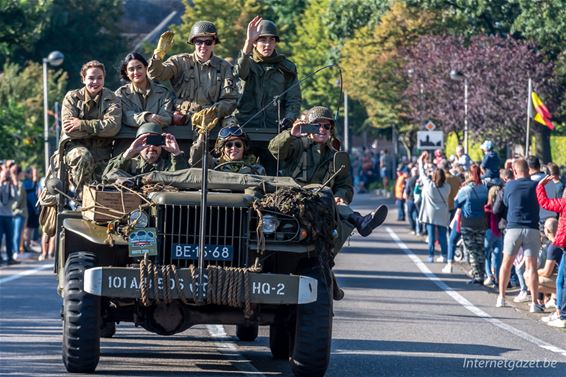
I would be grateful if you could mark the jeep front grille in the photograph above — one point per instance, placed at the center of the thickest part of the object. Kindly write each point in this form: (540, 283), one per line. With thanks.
(180, 224)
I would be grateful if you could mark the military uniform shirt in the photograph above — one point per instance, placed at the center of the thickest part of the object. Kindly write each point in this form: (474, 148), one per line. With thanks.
(203, 85)
(136, 105)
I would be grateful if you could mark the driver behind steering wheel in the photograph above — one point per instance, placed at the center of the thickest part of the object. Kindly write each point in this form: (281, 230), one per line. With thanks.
(230, 153)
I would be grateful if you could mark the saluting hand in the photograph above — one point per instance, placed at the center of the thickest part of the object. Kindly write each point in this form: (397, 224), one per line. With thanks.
(252, 34)
(545, 180)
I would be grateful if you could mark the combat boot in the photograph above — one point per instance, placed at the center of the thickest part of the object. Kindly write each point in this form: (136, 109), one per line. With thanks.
(366, 224)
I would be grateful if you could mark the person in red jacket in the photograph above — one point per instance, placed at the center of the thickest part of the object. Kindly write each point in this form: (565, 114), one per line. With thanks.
(559, 206)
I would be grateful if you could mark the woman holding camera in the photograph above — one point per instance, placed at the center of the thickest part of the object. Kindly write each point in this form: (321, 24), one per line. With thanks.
(143, 100)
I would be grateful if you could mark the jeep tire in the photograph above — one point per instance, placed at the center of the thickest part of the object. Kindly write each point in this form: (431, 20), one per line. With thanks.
(108, 329)
(313, 329)
(280, 341)
(247, 333)
(81, 317)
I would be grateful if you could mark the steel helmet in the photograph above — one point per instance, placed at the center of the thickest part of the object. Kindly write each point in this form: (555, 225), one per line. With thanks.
(149, 128)
(268, 28)
(318, 113)
(230, 128)
(203, 29)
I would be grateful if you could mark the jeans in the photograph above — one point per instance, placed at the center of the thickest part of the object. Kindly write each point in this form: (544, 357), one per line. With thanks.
(6, 227)
(430, 228)
(452, 241)
(412, 215)
(521, 276)
(493, 253)
(400, 209)
(561, 287)
(18, 223)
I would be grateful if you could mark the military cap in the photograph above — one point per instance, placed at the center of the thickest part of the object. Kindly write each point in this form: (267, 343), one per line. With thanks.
(318, 113)
(149, 128)
(203, 29)
(268, 28)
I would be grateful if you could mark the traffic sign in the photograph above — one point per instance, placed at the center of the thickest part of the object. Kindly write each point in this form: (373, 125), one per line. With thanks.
(430, 140)
(429, 126)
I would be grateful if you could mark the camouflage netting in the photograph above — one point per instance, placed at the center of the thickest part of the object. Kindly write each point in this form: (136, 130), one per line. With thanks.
(314, 210)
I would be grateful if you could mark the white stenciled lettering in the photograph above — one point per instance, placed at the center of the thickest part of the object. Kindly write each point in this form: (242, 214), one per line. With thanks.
(265, 288)
(134, 283)
(159, 283)
(181, 284)
(256, 287)
(280, 289)
(178, 251)
(116, 282)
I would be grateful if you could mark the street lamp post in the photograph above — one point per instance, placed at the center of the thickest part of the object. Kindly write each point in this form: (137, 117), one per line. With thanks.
(458, 76)
(54, 59)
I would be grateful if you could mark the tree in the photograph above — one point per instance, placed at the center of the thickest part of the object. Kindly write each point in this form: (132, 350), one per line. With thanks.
(83, 31)
(21, 25)
(375, 69)
(497, 70)
(21, 111)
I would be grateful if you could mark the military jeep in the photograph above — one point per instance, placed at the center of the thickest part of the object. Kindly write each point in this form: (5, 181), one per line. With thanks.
(260, 266)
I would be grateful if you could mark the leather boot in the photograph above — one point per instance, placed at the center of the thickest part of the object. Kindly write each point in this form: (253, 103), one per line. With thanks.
(366, 224)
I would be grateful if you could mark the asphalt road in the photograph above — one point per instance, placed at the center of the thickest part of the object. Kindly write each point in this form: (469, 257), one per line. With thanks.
(400, 317)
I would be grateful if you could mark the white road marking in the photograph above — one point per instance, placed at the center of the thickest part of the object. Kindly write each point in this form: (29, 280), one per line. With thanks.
(225, 343)
(467, 304)
(25, 273)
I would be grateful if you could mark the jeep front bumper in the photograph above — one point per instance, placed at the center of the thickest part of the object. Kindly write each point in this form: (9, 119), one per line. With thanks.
(124, 282)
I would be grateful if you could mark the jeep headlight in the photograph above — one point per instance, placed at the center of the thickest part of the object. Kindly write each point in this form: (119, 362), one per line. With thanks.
(138, 219)
(269, 224)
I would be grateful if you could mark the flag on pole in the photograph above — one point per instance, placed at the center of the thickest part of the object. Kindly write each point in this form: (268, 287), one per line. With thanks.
(542, 115)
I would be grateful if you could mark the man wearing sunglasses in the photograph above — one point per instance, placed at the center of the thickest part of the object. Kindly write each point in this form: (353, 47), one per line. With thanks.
(231, 151)
(203, 83)
(152, 150)
(265, 75)
(309, 158)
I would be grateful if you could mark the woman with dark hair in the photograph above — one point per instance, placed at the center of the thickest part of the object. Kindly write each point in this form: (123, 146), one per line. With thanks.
(471, 199)
(143, 101)
(434, 207)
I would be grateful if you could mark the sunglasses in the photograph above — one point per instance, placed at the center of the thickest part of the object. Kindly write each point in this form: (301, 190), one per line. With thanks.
(231, 144)
(230, 131)
(326, 126)
(207, 42)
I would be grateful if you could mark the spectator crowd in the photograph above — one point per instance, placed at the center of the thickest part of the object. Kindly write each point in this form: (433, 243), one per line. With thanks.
(509, 224)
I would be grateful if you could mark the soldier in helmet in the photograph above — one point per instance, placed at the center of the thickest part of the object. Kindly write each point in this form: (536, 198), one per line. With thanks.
(152, 150)
(231, 152)
(91, 118)
(309, 158)
(202, 82)
(266, 75)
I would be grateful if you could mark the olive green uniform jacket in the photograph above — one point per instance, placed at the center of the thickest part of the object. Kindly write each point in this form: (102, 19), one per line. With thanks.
(135, 105)
(121, 167)
(100, 122)
(308, 162)
(198, 85)
(248, 165)
(263, 81)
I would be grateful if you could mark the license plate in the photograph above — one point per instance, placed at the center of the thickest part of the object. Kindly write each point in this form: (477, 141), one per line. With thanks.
(224, 253)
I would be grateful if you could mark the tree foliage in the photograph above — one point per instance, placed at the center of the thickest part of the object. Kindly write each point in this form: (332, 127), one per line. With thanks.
(375, 69)
(21, 110)
(497, 70)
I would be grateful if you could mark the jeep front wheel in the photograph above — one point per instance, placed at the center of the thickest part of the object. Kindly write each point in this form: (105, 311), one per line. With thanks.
(247, 333)
(313, 329)
(279, 341)
(81, 317)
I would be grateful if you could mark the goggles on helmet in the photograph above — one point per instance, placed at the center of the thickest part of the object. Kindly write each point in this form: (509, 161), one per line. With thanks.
(226, 132)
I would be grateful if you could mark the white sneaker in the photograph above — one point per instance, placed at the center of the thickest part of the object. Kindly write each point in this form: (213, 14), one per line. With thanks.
(500, 302)
(560, 323)
(552, 317)
(550, 304)
(523, 296)
(489, 282)
(536, 308)
(441, 259)
(448, 268)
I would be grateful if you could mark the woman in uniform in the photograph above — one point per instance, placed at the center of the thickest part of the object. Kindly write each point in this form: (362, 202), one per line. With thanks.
(143, 100)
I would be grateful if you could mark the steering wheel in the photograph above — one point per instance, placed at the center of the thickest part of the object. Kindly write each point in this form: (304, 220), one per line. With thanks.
(239, 164)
